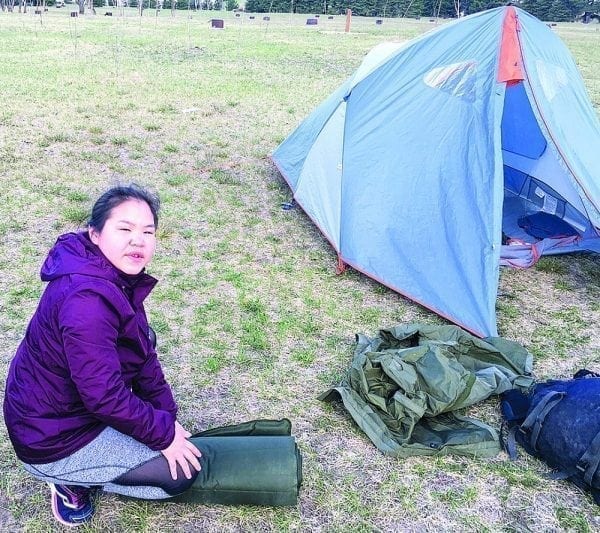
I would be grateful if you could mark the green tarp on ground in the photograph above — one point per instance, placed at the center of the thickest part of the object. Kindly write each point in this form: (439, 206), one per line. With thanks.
(405, 384)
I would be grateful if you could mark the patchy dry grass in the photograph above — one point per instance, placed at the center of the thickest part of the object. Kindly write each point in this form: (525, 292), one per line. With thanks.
(251, 318)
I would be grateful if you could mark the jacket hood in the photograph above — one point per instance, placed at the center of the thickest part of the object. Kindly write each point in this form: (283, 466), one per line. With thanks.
(75, 253)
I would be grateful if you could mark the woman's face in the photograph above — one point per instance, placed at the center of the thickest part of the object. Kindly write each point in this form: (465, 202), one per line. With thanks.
(128, 238)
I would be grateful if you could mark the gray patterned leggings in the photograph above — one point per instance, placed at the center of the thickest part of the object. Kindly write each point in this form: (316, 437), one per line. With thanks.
(118, 463)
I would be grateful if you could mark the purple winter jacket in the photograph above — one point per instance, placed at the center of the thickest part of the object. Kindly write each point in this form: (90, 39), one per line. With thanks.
(86, 361)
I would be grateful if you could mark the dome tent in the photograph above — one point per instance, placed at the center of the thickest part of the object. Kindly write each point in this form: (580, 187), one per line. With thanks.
(418, 164)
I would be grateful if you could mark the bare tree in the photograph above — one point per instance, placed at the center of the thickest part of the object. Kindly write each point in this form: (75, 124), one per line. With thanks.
(407, 8)
(457, 8)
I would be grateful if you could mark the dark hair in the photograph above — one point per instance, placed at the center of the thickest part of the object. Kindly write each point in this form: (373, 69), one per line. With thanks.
(115, 197)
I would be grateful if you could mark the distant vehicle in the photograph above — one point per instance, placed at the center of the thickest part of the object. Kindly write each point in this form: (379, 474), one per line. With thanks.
(60, 3)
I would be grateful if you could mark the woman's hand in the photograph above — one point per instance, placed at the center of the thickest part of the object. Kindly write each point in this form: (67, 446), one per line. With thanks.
(182, 452)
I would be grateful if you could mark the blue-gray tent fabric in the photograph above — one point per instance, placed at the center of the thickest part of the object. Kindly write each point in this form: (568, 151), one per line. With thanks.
(431, 192)
(406, 384)
(420, 166)
(291, 154)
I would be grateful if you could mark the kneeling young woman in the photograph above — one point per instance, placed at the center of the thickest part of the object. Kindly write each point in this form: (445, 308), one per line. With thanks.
(86, 402)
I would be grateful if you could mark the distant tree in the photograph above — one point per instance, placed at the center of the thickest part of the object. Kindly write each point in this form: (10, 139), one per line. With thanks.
(475, 6)
(402, 8)
(585, 5)
(308, 6)
(566, 10)
(538, 8)
(413, 8)
(439, 8)
(559, 11)
(231, 5)
(363, 8)
(254, 6)
(428, 8)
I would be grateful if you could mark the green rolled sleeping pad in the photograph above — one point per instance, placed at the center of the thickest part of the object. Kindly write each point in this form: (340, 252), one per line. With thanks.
(254, 463)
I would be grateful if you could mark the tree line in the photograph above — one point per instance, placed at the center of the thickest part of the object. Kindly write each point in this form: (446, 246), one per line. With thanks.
(550, 10)
(141, 5)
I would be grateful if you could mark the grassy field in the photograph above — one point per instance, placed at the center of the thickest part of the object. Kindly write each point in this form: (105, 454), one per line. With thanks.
(251, 318)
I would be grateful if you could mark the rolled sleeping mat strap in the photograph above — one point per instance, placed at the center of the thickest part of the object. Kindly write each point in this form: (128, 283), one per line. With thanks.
(246, 470)
(261, 426)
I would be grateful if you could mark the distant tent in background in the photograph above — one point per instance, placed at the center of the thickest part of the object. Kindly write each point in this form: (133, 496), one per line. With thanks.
(438, 150)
